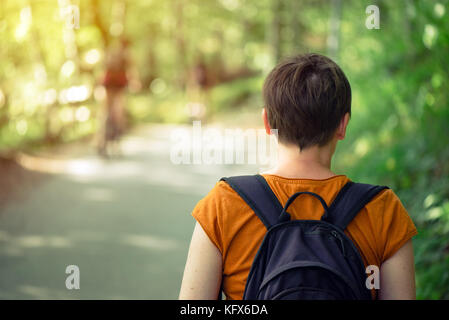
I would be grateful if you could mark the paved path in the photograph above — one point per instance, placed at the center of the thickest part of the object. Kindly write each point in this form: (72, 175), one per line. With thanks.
(124, 222)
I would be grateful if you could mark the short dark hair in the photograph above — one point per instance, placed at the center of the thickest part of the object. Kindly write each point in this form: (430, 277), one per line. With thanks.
(306, 96)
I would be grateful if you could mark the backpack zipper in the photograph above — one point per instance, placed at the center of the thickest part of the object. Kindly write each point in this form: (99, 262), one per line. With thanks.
(334, 234)
(342, 245)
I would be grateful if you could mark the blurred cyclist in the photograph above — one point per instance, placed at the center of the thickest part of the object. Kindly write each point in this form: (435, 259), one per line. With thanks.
(115, 82)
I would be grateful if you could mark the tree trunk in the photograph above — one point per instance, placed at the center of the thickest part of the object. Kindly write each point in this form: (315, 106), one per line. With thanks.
(277, 27)
(333, 40)
(180, 44)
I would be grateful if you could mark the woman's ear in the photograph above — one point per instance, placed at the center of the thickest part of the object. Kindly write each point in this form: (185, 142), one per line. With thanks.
(265, 121)
(341, 131)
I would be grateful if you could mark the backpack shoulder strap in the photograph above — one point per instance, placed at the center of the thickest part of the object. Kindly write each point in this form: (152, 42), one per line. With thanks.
(349, 201)
(256, 192)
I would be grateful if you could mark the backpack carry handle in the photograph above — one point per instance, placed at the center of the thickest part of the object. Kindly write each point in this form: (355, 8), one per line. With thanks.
(285, 216)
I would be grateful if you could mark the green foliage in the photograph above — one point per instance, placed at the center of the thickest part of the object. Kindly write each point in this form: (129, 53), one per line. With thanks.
(237, 94)
(398, 134)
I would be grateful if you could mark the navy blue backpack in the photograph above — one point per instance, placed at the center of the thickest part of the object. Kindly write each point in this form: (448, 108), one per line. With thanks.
(305, 259)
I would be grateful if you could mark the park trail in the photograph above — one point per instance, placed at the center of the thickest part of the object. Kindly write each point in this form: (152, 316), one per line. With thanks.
(125, 222)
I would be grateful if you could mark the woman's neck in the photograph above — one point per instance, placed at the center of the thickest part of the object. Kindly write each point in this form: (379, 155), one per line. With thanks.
(312, 163)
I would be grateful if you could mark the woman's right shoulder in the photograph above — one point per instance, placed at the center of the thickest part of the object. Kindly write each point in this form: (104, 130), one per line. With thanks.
(220, 205)
(222, 193)
(222, 202)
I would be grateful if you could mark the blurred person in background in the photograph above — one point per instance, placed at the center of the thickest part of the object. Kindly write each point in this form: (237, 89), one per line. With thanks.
(198, 84)
(115, 82)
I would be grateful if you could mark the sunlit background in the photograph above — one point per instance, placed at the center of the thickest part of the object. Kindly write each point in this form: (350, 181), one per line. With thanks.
(126, 221)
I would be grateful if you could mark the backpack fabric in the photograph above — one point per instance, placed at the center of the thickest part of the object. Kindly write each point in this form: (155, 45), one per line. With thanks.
(305, 259)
